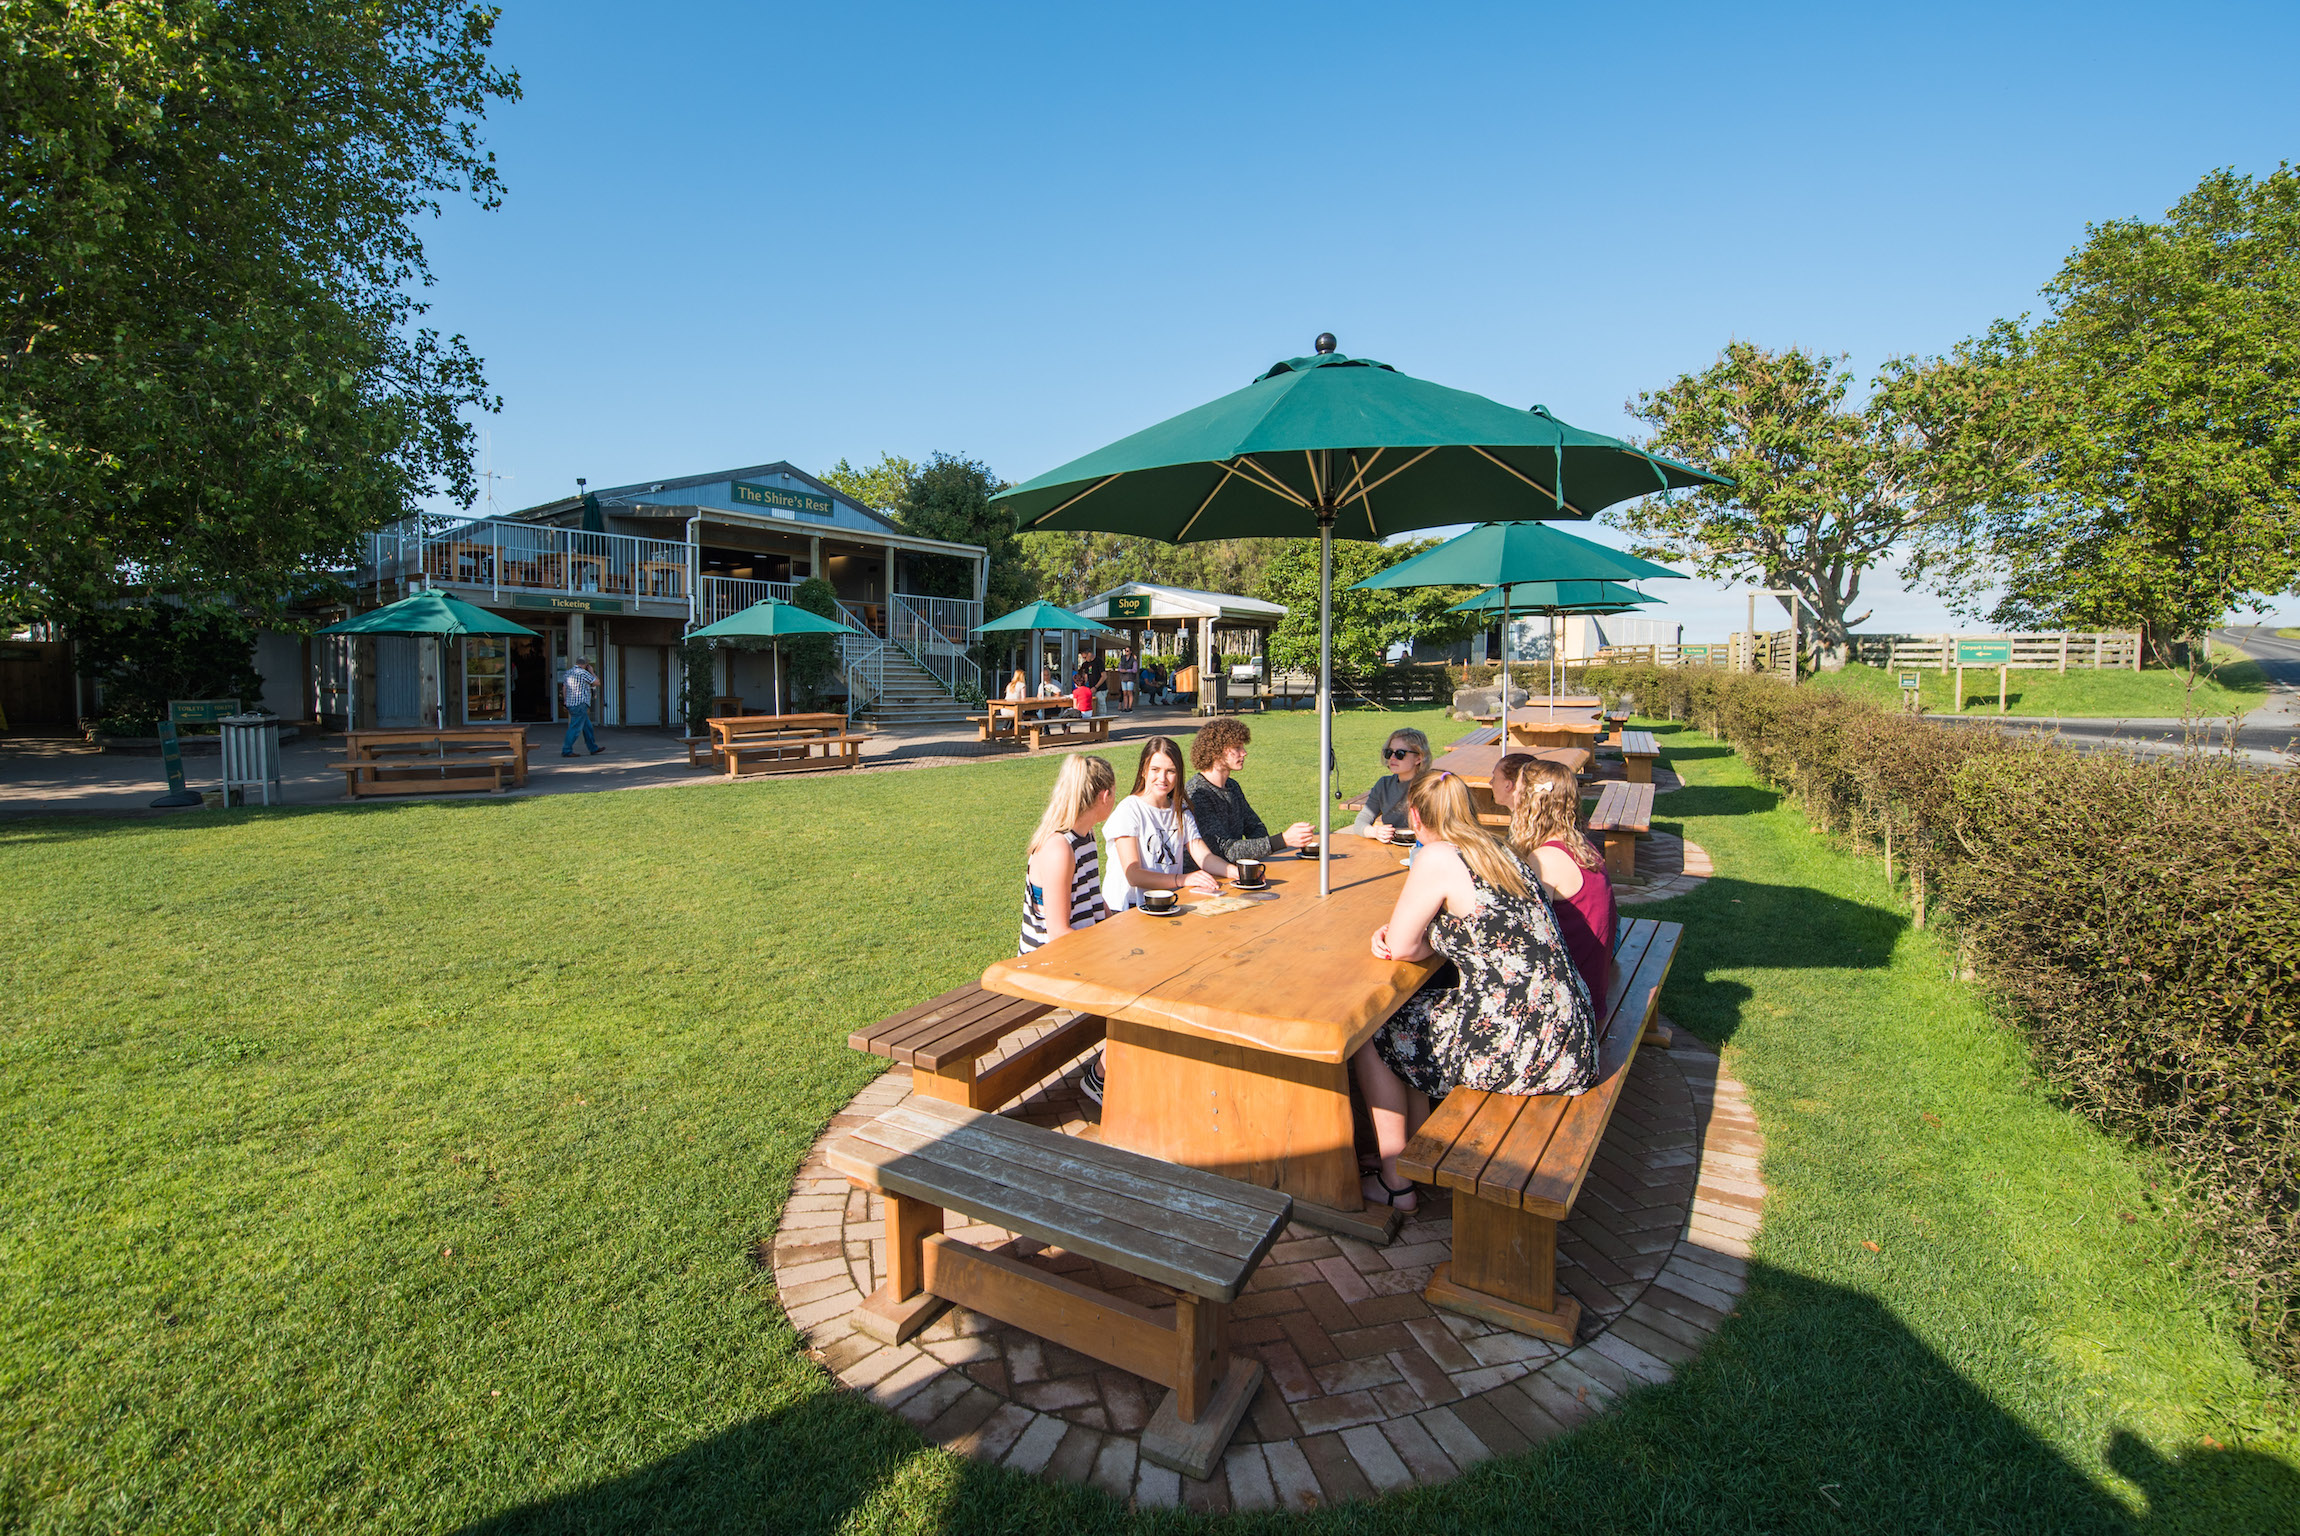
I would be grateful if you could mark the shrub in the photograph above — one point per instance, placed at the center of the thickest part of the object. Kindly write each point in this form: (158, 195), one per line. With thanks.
(2135, 915)
(146, 655)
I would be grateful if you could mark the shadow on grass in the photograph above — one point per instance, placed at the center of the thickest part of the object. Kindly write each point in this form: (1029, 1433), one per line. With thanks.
(1813, 1408)
(1740, 925)
(1715, 800)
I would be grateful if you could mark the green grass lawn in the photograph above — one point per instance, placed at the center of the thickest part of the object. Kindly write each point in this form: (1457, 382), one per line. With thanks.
(2231, 688)
(402, 1168)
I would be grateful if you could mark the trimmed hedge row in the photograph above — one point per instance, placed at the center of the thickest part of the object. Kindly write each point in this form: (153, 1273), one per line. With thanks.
(2140, 916)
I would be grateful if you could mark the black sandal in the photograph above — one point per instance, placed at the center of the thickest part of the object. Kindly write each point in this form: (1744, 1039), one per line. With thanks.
(1389, 1196)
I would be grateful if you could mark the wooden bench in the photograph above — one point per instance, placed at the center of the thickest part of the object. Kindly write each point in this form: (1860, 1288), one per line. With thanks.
(1087, 728)
(1516, 1164)
(1638, 750)
(1484, 735)
(458, 774)
(1197, 1234)
(702, 751)
(1624, 814)
(943, 1038)
(789, 754)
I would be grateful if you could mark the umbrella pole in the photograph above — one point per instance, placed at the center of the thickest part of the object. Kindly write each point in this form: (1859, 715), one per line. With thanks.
(777, 701)
(1325, 705)
(1505, 669)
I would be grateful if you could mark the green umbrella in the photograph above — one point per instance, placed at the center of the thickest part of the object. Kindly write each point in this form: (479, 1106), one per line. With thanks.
(1505, 554)
(771, 618)
(1327, 445)
(1549, 598)
(426, 613)
(1035, 617)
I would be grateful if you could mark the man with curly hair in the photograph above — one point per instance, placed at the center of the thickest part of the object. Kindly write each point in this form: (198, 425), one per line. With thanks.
(1224, 819)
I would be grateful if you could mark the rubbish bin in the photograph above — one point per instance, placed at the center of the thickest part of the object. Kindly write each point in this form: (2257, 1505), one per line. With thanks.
(251, 752)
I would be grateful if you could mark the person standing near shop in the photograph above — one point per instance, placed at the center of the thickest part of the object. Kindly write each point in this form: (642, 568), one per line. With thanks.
(577, 689)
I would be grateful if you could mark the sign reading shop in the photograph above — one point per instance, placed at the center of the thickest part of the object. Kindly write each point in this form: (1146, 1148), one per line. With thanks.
(804, 503)
(1129, 608)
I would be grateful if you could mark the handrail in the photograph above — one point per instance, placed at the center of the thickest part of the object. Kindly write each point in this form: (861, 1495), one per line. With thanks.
(937, 633)
(524, 557)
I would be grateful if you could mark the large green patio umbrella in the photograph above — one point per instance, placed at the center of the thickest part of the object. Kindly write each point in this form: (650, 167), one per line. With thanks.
(431, 613)
(771, 618)
(1330, 445)
(1549, 599)
(1035, 617)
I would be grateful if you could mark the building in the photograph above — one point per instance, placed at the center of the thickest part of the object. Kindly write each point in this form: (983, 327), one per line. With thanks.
(621, 575)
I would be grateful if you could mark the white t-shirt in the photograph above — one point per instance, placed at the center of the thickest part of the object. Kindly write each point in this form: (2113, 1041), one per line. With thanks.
(1153, 831)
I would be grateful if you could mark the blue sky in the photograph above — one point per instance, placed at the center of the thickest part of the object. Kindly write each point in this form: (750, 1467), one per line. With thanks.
(738, 233)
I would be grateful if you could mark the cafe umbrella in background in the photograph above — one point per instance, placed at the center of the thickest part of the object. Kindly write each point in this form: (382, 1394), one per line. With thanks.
(773, 619)
(1035, 617)
(1552, 600)
(1513, 554)
(1330, 446)
(441, 617)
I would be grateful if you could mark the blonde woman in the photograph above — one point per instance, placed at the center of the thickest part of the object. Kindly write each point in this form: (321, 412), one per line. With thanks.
(1019, 687)
(1063, 857)
(1518, 1022)
(1383, 817)
(1543, 832)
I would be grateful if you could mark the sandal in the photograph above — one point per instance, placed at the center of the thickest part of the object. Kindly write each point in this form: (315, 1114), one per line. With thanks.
(1404, 1201)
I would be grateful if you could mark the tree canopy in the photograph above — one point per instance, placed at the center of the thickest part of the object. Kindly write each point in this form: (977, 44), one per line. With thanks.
(1366, 624)
(1073, 566)
(1823, 490)
(211, 383)
(948, 497)
(880, 487)
(2164, 397)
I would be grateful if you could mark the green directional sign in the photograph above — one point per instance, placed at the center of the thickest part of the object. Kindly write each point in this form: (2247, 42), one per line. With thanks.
(1911, 681)
(1984, 653)
(201, 711)
(1129, 608)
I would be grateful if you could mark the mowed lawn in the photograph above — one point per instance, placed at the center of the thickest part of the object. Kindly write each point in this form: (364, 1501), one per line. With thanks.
(402, 1168)
(2234, 687)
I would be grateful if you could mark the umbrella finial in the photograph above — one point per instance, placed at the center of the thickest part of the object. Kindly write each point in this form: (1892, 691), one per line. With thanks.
(1326, 343)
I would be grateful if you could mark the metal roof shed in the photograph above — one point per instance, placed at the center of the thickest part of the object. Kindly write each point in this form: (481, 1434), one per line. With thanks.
(1136, 607)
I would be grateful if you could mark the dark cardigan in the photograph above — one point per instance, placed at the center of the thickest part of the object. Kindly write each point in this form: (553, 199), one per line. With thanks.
(1228, 823)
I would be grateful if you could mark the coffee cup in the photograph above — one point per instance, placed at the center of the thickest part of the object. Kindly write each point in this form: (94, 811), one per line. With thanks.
(1158, 901)
(1250, 871)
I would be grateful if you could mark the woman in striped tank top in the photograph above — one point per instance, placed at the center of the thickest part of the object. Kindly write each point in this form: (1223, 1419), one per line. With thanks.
(1063, 859)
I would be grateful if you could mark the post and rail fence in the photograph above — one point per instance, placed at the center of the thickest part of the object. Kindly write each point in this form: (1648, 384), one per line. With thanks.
(1773, 651)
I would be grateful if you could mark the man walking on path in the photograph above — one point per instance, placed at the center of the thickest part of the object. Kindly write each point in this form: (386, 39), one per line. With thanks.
(578, 689)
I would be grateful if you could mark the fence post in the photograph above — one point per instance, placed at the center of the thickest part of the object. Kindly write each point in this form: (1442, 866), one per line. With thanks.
(2136, 642)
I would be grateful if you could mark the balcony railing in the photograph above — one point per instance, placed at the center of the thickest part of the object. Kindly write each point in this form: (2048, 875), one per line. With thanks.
(521, 557)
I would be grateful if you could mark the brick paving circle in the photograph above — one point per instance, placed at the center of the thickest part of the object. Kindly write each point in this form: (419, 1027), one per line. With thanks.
(1369, 1389)
(1667, 865)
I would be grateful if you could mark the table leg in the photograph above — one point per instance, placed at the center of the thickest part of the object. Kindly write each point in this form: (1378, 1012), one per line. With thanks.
(1504, 1271)
(1260, 1117)
(1639, 770)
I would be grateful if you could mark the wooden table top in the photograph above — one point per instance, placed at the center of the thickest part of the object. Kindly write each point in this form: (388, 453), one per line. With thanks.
(721, 725)
(1475, 764)
(1293, 974)
(381, 734)
(1031, 706)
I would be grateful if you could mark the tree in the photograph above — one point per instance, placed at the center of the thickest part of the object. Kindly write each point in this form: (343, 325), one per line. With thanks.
(209, 387)
(880, 487)
(1366, 624)
(948, 497)
(812, 659)
(142, 655)
(1822, 490)
(1071, 567)
(2167, 380)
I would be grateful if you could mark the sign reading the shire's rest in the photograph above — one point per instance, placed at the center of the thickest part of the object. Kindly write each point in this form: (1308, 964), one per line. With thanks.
(1984, 653)
(749, 495)
(1129, 608)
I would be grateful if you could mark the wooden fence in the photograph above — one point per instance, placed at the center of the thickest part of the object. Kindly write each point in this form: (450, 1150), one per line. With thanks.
(1770, 651)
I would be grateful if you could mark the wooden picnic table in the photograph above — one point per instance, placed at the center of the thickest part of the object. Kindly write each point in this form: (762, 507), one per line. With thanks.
(449, 759)
(782, 743)
(1473, 765)
(1004, 717)
(1230, 1035)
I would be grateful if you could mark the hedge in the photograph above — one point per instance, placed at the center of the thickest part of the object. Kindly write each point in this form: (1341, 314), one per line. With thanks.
(2139, 917)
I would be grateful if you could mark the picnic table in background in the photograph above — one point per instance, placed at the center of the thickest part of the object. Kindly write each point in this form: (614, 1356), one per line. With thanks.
(1474, 765)
(1002, 720)
(433, 760)
(783, 743)
(1230, 1034)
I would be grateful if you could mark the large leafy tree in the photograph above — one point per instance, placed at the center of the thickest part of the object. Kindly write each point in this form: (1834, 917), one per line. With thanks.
(1822, 488)
(1074, 566)
(212, 380)
(1366, 624)
(878, 486)
(2166, 378)
(948, 497)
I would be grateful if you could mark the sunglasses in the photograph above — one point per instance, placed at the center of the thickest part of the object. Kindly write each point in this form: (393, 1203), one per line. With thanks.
(1394, 754)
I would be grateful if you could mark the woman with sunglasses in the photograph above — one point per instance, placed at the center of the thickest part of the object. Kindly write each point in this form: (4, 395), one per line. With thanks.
(1383, 819)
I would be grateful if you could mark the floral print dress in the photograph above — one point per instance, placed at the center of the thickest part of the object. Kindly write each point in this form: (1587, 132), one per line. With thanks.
(1520, 1020)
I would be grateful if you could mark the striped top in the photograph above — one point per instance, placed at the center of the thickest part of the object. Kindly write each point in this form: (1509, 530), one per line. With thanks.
(1086, 906)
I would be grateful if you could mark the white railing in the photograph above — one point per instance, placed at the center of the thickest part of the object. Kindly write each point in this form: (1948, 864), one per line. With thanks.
(862, 660)
(937, 632)
(725, 596)
(505, 556)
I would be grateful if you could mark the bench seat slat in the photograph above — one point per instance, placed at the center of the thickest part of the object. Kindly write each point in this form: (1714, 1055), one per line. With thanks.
(1216, 1226)
(975, 1035)
(1492, 1114)
(1520, 1152)
(901, 1035)
(1551, 1189)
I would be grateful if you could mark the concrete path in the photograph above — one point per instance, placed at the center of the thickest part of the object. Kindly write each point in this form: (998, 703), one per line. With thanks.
(62, 775)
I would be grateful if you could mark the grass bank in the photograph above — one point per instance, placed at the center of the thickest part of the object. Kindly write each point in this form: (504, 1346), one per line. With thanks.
(399, 1168)
(2234, 687)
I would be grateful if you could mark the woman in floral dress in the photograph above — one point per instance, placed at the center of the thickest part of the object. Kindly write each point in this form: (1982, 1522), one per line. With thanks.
(1519, 1021)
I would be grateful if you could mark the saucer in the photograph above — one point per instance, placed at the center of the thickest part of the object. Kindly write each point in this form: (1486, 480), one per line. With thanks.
(1172, 911)
(1262, 884)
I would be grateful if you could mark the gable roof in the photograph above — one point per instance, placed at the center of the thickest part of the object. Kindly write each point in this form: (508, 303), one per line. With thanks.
(646, 490)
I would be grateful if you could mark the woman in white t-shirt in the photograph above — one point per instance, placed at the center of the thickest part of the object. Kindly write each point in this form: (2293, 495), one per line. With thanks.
(1154, 841)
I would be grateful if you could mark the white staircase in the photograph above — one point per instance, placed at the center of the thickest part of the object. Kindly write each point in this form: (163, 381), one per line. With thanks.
(912, 696)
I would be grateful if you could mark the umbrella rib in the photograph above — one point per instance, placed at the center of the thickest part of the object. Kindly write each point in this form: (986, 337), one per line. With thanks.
(1072, 502)
(1310, 458)
(1364, 500)
(1270, 482)
(1529, 480)
(1227, 471)
(1352, 488)
(1393, 474)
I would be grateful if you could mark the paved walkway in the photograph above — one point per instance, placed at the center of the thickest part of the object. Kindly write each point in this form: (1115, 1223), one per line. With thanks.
(1370, 1390)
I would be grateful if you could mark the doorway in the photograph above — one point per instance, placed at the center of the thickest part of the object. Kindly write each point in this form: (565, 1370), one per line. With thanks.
(530, 680)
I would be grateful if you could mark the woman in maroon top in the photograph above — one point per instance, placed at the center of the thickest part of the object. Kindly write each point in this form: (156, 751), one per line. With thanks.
(1572, 874)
